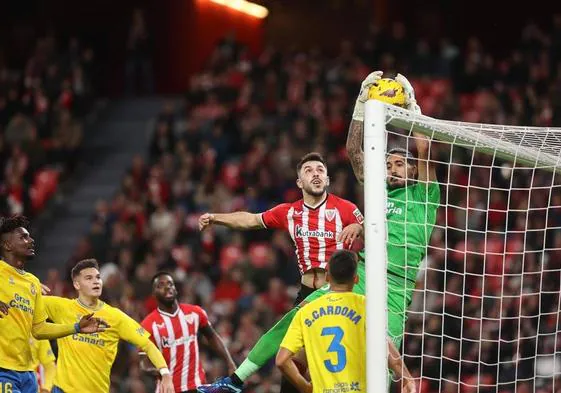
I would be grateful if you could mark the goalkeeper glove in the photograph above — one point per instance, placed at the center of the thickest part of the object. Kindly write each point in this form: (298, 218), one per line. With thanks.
(358, 112)
(410, 101)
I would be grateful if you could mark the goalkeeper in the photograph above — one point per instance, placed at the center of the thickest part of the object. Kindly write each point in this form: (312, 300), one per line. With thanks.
(413, 198)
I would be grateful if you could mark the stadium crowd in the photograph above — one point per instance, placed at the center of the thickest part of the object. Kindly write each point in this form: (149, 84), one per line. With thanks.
(42, 107)
(232, 144)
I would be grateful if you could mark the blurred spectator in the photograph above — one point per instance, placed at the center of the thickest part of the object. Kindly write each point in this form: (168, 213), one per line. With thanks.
(40, 123)
(138, 69)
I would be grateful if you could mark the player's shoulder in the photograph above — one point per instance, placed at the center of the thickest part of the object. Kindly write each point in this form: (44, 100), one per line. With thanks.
(357, 296)
(113, 312)
(151, 317)
(337, 201)
(298, 204)
(59, 301)
(192, 308)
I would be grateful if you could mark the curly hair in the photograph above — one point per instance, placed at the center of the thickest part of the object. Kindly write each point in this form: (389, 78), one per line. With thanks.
(10, 224)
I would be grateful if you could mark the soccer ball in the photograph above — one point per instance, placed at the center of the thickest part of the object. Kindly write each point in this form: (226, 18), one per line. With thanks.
(388, 90)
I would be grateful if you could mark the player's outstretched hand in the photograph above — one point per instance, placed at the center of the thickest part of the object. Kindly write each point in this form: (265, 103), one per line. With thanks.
(3, 309)
(350, 233)
(166, 384)
(205, 221)
(358, 112)
(367, 83)
(411, 101)
(45, 290)
(90, 324)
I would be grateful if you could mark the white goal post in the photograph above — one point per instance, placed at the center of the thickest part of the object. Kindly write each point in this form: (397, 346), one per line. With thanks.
(495, 251)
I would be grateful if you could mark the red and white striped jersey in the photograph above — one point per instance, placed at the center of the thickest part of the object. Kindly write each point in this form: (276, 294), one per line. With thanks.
(314, 230)
(176, 337)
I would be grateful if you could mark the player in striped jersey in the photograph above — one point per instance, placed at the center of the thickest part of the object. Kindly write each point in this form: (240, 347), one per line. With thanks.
(174, 328)
(320, 223)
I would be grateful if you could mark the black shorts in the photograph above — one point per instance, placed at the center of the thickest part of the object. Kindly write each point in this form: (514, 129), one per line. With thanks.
(303, 293)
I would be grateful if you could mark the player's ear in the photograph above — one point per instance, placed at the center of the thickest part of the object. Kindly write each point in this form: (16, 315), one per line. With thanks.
(328, 180)
(76, 285)
(327, 277)
(356, 279)
(299, 183)
(6, 245)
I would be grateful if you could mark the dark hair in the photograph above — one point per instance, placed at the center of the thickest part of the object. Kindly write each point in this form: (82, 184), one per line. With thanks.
(83, 264)
(158, 275)
(10, 224)
(403, 152)
(342, 266)
(313, 156)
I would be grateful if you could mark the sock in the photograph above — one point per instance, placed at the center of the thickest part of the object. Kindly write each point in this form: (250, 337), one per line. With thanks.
(246, 367)
(267, 347)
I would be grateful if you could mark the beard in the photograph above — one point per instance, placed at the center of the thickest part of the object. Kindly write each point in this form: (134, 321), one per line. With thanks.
(167, 302)
(398, 182)
(316, 193)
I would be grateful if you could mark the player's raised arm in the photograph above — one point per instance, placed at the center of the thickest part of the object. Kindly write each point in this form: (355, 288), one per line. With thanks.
(236, 220)
(426, 168)
(356, 129)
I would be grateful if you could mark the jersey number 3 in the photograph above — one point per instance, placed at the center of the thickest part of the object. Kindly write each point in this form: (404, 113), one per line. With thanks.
(335, 347)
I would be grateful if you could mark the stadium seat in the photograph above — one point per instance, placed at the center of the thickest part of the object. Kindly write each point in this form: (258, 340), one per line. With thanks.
(259, 254)
(44, 186)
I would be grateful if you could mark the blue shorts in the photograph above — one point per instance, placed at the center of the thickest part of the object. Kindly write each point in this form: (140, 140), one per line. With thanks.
(56, 389)
(18, 381)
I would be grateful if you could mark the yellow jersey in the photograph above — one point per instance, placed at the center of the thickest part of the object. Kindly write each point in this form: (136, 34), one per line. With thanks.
(43, 362)
(21, 291)
(332, 331)
(85, 360)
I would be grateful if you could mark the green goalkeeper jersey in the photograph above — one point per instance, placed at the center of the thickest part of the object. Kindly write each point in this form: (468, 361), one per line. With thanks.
(410, 214)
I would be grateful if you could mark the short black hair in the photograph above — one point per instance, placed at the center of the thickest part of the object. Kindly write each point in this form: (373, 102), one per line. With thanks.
(313, 156)
(10, 224)
(343, 266)
(83, 264)
(405, 153)
(158, 275)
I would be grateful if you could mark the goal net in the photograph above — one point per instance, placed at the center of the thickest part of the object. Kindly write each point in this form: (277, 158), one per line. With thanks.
(485, 310)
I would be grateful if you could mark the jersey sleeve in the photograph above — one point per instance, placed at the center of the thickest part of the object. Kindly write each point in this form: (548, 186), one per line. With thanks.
(40, 312)
(131, 331)
(204, 322)
(275, 218)
(351, 214)
(53, 307)
(293, 339)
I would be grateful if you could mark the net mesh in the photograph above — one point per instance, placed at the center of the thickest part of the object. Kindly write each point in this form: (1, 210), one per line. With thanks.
(484, 315)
